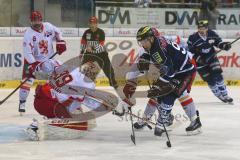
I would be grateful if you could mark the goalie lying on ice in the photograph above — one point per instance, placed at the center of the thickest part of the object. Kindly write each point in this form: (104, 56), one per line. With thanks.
(63, 111)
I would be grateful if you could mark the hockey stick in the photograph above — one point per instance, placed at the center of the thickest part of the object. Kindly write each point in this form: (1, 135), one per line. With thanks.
(2, 101)
(133, 132)
(221, 49)
(168, 141)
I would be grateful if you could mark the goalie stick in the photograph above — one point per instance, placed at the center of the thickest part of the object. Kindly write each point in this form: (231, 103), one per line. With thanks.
(2, 101)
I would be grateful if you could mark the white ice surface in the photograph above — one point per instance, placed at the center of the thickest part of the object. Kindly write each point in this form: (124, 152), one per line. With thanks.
(220, 139)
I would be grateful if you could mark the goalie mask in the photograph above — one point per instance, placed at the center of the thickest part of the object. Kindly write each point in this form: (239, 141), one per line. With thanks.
(90, 70)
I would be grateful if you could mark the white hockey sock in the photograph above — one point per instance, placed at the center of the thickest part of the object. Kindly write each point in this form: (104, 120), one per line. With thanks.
(188, 106)
(150, 109)
(23, 94)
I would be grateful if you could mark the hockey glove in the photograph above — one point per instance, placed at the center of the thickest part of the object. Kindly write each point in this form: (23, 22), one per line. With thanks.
(143, 62)
(129, 88)
(143, 65)
(182, 85)
(31, 69)
(225, 46)
(122, 107)
(160, 88)
(61, 46)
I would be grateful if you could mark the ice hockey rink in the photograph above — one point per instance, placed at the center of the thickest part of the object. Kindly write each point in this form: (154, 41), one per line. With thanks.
(220, 138)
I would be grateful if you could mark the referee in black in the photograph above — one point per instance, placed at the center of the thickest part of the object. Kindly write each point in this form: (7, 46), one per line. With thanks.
(92, 49)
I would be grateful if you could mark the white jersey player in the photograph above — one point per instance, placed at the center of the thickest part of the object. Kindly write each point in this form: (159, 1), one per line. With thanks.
(37, 47)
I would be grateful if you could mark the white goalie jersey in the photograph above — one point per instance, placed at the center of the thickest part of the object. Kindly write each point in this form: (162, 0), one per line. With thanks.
(64, 77)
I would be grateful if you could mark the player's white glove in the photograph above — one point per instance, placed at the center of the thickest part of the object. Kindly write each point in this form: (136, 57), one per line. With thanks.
(122, 107)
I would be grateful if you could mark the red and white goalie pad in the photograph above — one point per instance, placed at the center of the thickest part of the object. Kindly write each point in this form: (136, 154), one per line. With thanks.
(60, 129)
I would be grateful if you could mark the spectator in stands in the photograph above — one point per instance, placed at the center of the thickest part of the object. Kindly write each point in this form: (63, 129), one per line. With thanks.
(227, 3)
(209, 12)
(142, 3)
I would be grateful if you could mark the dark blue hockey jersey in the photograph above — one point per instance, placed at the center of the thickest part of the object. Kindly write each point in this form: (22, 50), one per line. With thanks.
(203, 47)
(169, 56)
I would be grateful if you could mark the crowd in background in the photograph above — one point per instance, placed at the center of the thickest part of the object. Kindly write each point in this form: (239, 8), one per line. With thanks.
(75, 13)
(171, 3)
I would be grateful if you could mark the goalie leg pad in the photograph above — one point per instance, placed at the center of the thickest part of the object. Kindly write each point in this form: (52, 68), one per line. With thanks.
(61, 129)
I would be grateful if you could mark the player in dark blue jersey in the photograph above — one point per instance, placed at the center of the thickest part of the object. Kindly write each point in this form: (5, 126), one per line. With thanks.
(202, 44)
(175, 68)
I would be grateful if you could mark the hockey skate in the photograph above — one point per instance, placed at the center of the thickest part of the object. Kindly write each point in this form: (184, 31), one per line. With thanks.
(226, 99)
(194, 127)
(32, 131)
(158, 131)
(139, 125)
(21, 108)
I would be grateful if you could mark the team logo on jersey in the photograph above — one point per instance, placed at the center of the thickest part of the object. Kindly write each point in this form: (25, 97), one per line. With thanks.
(157, 57)
(97, 36)
(206, 50)
(211, 41)
(47, 34)
(43, 46)
(34, 38)
(88, 36)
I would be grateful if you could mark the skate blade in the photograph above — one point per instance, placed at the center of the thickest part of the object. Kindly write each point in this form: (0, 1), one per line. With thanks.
(195, 132)
(175, 124)
(138, 130)
(230, 103)
(33, 136)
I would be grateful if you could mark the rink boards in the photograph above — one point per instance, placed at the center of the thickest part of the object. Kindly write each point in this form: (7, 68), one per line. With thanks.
(122, 52)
